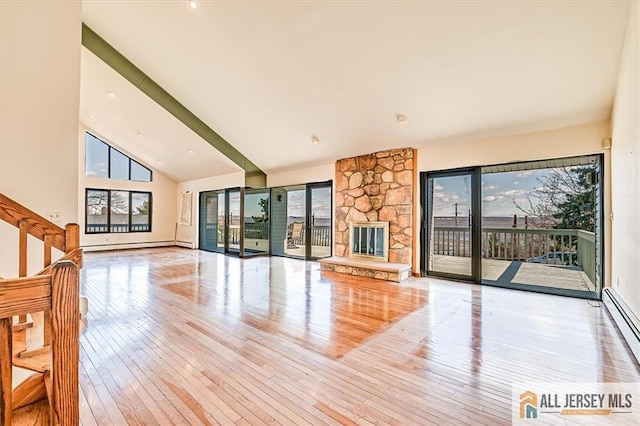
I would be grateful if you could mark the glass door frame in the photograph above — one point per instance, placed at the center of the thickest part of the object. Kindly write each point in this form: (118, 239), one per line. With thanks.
(475, 243)
(309, 212)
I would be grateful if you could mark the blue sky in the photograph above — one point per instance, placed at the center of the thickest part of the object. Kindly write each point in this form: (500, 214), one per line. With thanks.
(499, 190)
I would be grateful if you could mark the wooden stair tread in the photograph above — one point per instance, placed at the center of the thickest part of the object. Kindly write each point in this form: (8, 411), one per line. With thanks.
(38, 360)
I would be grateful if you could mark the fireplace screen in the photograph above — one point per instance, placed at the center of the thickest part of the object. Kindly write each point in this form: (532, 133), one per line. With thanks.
(370, 239)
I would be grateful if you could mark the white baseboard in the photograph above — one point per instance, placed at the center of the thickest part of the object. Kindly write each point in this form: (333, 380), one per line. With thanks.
(186, 244)
(124, 246)
(627, 322)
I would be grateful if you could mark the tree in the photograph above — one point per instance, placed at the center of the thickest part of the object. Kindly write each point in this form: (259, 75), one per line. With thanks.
(143, 208)
(577, 210)
(563, 200)
(264, 207)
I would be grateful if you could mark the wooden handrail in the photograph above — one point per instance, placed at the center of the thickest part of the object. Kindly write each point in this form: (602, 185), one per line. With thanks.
(34, 224)
(21, 296)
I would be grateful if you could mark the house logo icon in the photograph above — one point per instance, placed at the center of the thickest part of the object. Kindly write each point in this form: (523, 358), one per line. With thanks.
(528, 405)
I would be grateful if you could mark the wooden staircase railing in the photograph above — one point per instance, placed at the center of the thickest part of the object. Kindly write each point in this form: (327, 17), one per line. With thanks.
(55, 291)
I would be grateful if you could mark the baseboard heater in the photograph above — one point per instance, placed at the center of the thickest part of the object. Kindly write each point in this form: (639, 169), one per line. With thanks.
(627, 322)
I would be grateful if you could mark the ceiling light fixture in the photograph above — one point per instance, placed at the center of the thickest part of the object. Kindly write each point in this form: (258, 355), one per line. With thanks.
(160, 162)
(190, 151)
(402, 119)
(111, 94)
(90, 118)
(193, 4)
(315, 140)
(140, 135)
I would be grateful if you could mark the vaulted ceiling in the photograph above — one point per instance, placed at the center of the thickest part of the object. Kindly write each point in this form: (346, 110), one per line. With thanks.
(267, 76)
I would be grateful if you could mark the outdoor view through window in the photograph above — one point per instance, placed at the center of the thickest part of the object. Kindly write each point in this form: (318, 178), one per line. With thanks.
(539, 227)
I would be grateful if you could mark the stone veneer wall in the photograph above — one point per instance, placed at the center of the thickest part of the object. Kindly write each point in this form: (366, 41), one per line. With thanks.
(377, 187)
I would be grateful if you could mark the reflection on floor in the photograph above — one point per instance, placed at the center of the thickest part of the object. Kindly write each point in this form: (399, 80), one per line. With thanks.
(176, 336)
(300, 250)
(507, 272)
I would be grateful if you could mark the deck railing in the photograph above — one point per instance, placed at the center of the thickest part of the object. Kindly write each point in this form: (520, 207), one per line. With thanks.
(320, 235)
(575, 247)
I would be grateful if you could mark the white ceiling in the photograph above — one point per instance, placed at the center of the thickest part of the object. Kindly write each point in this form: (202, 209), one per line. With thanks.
(268, 75)
(119, 119)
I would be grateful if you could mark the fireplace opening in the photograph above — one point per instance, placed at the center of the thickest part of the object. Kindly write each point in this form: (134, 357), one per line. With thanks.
(369, 240)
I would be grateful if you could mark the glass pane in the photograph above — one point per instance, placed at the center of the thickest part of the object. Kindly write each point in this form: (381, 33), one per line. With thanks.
(379, 242)
(221, 226)
(539, 227)
(449, 236)
(139, 172)
(97, 157)
(321, 218)
(256, 221)
(209, 221)
(97, 206)
(140, 212)
(119, 211)
(119, 165)
(296, 211)
(234, 221)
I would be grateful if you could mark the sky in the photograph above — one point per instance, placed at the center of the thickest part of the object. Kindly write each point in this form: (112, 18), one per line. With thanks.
(499, 190)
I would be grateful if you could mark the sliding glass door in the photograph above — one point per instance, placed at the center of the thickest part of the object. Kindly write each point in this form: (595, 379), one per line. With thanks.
(256, 221)
(293, 221)
(318, 236)
(212, 221)
(449, 234)
(533, 226)
(301, 221)
(541, 226)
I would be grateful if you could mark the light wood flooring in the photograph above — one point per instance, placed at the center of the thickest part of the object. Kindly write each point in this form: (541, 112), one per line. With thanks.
(175, 336)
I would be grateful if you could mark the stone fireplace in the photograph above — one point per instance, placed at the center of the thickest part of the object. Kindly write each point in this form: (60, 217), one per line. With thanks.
(374, 188)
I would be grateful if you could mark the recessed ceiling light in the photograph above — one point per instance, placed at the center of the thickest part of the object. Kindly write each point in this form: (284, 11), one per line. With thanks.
(160, 162)
(111, 94)
(140, 135)
(190, 151)
(315, 140)
(90, 118)
(193, 4)
(402, 119)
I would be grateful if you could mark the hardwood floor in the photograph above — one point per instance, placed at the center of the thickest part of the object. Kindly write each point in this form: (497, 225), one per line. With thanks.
(175, 336)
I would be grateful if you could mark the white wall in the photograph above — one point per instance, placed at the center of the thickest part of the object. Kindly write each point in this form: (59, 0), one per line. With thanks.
(39, 103)
(566, 142)
(187, 235)
(303, 175)
(625, 172)
(164, 202)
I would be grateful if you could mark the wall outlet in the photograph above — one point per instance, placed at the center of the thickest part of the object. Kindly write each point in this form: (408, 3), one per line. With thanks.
(53, 216)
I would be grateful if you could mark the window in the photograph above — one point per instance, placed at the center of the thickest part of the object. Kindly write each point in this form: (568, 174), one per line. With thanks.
(110, 211)
(106, 162)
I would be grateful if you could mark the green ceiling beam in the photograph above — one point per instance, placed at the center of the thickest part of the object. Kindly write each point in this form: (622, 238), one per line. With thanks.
(103, 50)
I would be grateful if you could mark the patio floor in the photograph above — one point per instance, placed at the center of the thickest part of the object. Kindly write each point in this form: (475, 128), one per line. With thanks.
(505, 272)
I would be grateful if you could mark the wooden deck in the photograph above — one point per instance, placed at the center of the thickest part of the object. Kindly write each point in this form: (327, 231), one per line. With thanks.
(175, 336)
(508, 272)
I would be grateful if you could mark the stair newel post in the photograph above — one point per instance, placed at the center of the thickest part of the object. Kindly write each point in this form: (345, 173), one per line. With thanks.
(6, 354)
(65, 329)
